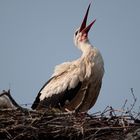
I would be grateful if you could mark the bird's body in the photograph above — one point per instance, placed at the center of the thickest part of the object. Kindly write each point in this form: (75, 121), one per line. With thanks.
(74, 85)
(6, 101)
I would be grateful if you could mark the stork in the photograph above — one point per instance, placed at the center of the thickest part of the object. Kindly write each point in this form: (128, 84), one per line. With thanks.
(6, 101)
(75, 86)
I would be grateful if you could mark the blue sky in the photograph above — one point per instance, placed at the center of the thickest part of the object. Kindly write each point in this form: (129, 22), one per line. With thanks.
(36, 35)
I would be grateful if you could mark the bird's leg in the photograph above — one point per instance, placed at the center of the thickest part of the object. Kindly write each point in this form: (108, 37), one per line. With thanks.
(69, 111)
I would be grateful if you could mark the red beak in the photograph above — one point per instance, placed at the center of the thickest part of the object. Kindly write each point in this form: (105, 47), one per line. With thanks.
(83, 27)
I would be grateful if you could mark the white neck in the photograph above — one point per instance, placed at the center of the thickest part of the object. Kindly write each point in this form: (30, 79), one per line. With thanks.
(85, 47)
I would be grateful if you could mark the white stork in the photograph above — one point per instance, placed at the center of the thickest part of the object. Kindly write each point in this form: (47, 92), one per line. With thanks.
(75, 86)
(6, 101)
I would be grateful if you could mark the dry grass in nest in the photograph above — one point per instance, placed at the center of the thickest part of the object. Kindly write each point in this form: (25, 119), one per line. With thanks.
(26, 124)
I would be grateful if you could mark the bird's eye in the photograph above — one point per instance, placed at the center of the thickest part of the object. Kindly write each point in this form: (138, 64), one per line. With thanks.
(76, 32)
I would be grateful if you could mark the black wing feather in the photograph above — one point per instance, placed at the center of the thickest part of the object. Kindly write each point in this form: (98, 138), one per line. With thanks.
(56, 100)
(37, 100)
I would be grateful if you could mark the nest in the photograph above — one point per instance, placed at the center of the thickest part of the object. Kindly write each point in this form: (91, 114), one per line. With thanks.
(21, 124)
(18, 123)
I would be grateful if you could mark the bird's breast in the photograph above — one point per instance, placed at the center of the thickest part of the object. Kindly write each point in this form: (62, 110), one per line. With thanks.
(91, 85)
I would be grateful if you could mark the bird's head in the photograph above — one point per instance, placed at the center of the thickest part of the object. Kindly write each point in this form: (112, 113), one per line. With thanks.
(81, 34)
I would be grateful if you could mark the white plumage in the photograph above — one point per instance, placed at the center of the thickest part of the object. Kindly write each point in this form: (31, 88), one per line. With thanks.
(75, 85)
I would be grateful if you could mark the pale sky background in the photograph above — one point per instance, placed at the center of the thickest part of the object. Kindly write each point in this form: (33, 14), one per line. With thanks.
(35, 35)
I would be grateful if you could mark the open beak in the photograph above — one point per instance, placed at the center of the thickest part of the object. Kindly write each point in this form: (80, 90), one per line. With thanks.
(83, 27)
